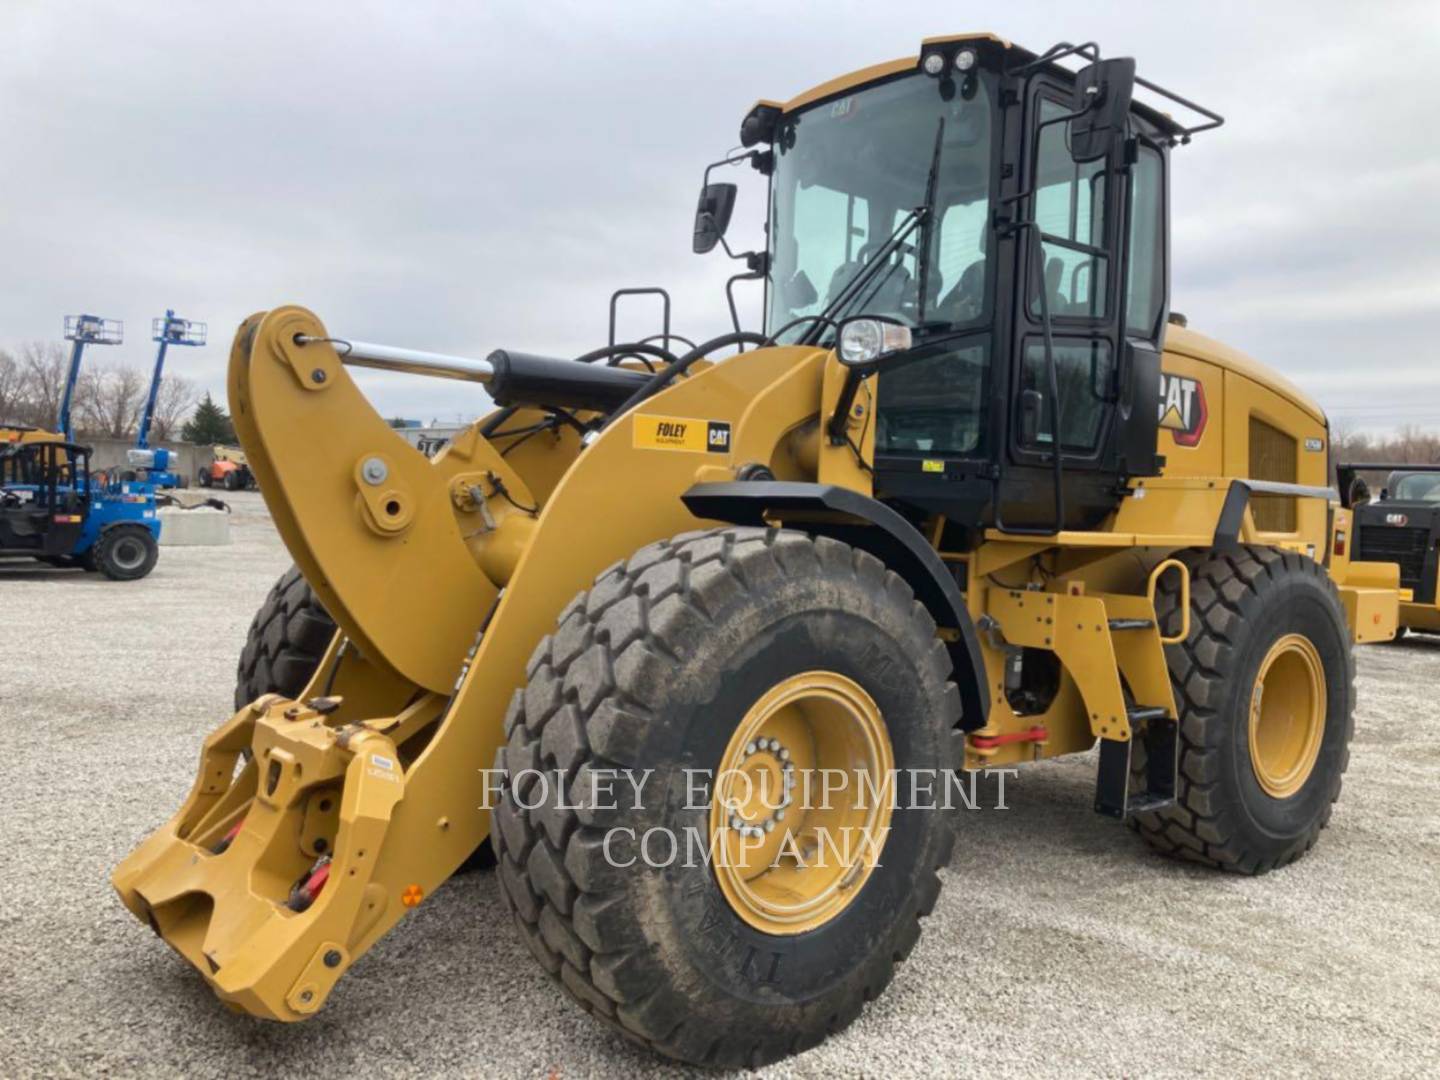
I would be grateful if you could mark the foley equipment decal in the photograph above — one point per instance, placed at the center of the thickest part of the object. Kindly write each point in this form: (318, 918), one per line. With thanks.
(1182, 408)
(680, 433)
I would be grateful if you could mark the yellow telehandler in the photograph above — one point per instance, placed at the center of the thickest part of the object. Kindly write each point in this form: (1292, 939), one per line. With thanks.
(700, 642)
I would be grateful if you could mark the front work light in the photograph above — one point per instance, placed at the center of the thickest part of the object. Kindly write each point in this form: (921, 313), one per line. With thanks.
(863, 341)
(964, 60)
(933, 64)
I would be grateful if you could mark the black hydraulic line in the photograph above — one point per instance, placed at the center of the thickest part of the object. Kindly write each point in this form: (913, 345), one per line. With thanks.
(671, 337)
(637, 349)
(496, 419)
(679, 367)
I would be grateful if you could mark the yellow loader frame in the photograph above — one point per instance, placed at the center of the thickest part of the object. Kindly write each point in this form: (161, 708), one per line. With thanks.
(443, 575)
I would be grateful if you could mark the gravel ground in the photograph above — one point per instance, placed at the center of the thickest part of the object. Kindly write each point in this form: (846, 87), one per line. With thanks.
(1059, 947)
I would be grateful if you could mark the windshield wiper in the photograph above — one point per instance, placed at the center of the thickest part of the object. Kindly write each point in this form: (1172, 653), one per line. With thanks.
(927, 239)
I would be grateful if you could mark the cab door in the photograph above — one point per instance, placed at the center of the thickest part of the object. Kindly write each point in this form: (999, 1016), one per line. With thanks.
(1072, 273)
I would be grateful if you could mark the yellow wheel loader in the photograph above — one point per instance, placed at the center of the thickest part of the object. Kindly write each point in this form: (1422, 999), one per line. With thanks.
(705, 641)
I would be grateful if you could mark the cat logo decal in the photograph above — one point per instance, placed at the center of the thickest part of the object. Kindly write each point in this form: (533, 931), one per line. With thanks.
(1182, 408)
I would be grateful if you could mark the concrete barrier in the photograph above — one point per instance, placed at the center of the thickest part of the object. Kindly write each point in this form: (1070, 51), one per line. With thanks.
(202, 527)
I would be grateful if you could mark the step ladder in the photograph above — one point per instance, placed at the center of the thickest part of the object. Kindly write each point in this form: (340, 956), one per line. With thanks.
(1160, 733)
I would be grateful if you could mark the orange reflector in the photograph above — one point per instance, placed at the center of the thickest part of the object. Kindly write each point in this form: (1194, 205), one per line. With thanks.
(412, 895)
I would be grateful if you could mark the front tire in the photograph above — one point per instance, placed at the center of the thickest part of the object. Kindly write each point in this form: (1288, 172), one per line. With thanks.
(126, 552)
(1265, 685)
(659, 667)
(286, 642)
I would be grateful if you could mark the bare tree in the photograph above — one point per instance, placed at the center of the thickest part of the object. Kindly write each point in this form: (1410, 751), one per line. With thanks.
(14, 390)
(44, 364)
(109, 400)
(173, 403)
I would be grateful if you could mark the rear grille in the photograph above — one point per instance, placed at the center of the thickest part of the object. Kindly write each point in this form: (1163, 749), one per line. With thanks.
(1401, 544)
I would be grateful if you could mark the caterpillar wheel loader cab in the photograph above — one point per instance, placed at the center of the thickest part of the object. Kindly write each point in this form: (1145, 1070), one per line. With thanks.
(704, 644)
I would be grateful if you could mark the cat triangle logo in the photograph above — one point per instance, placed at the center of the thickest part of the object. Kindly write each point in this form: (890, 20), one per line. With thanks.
(1182, 408)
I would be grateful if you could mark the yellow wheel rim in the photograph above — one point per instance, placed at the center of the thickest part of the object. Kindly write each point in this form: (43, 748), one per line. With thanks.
(1287, 716)
(802, 803)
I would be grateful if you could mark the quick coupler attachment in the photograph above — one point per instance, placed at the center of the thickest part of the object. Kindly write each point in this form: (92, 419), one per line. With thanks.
(265, 880)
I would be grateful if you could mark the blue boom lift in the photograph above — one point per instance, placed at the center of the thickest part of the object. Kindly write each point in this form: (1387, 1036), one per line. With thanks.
(156, 467)
(52, 509)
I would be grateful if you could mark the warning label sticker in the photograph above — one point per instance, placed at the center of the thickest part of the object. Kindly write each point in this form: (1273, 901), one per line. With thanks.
(680, 433)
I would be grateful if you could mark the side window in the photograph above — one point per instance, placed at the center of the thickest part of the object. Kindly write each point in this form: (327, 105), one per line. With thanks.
(1145, 295)
(1084, 371)
(1070, 210)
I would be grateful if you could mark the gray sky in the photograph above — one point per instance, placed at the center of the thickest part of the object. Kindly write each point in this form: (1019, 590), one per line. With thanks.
(465, 177)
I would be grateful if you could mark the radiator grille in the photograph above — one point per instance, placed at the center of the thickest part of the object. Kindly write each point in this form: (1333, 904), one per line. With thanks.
(1272, 457)
(1401, 544)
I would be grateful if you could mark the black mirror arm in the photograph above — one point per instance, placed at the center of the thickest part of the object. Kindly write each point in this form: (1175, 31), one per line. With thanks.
(732, 159)
(748, 256)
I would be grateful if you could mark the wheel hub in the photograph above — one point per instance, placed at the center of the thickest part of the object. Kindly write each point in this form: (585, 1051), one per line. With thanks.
(129, 553)
(802, 803)
(1287, 716)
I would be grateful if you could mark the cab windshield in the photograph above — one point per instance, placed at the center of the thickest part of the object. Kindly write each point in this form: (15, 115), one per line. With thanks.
(849, 171)
(1418, 487)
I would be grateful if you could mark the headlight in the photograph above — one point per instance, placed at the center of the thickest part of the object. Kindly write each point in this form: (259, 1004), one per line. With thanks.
(964, 60)
(863, 341)
(933, 64)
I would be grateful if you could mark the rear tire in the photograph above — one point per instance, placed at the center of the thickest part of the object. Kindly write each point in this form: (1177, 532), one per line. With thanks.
(1244, 606)
(232, 481)
(204, 478)
(126, 552)
(655, 668)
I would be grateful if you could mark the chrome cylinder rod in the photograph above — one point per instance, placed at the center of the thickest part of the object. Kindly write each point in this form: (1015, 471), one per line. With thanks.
(412, 361)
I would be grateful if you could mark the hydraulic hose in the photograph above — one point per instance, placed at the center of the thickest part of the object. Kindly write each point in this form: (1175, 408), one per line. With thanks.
(680, 366)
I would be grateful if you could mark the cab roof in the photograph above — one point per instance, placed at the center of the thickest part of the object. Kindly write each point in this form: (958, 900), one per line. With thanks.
(875, 72)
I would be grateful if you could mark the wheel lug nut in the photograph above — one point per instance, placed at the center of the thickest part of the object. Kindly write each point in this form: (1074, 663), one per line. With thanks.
(785, 756)
(770, 826)
(749, 749)
(780, 814)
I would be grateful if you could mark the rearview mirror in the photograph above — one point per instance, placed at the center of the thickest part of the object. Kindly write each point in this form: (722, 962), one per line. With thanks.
(1102, 97)
(712, 215)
